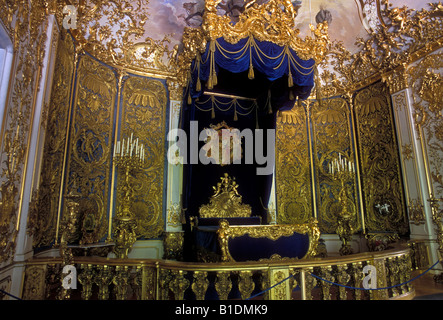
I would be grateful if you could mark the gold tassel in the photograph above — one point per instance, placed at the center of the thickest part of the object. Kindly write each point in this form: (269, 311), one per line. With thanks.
(290, 80)
(291, 95)
(235, 115)
(251, 72)
(198, 86)
(189, 99)
(212, 113)
(214, 78)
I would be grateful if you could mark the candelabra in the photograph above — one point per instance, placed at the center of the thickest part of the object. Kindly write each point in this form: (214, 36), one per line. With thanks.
(129, 159)
(343, 170)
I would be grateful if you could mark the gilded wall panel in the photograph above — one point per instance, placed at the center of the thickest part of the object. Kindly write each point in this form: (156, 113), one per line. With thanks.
(331, 125)
(90, 144)
(382, 186)
(43, 214)
(144, 103)
(293, 173)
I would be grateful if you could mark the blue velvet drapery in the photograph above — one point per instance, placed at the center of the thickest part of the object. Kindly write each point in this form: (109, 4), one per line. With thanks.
(251, 55)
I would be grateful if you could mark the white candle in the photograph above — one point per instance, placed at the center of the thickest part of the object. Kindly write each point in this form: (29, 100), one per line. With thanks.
(123, 148)
(136, 147)
(115, 146)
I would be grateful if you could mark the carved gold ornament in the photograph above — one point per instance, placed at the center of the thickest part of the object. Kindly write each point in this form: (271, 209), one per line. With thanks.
(225, 202)
(273, 21)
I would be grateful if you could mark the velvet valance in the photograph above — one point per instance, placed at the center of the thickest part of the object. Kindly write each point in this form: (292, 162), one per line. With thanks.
(251, 55)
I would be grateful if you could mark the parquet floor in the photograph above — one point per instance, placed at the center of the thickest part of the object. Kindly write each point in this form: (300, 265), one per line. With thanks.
(425, 286)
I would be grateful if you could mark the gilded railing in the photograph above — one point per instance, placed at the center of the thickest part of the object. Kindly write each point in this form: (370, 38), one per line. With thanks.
(335, 278)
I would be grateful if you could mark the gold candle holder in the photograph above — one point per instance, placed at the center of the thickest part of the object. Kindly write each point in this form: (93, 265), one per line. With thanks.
(343, 170)
(129, 159)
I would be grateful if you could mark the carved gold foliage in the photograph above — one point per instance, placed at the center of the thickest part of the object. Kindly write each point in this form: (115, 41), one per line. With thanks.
(42, 217)
(331, 125)
(144, 111)
(293, 179)
(272, 21)
(380, 169)
(403, 36)
(113, 32)
(426, 81)
(26, 25)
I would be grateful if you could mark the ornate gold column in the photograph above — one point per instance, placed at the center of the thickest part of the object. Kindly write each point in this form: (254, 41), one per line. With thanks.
(412, 160)
(173, 238)
(426, 114)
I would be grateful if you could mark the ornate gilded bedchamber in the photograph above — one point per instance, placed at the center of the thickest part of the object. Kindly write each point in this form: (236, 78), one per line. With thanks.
(220, 230)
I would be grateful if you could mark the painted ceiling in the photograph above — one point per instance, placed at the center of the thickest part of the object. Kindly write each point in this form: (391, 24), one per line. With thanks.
(348, 19)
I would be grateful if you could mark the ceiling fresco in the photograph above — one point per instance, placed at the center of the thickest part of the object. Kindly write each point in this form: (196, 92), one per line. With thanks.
(348, 19)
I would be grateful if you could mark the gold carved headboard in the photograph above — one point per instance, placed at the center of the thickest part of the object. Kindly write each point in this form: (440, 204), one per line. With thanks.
(225, 202)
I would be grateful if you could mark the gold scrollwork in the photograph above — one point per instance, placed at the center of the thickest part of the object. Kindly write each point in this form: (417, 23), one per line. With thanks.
(27, 26)
(144, 112)
(90, 145)
(272, 232)
(380, 168)
(331, 124)
(43, 215)
(293, 178)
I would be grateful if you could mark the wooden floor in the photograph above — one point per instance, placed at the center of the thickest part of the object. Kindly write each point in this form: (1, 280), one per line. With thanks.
(426, 286)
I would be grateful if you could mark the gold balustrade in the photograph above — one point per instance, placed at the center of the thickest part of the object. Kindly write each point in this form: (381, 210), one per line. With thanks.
(151, 279)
